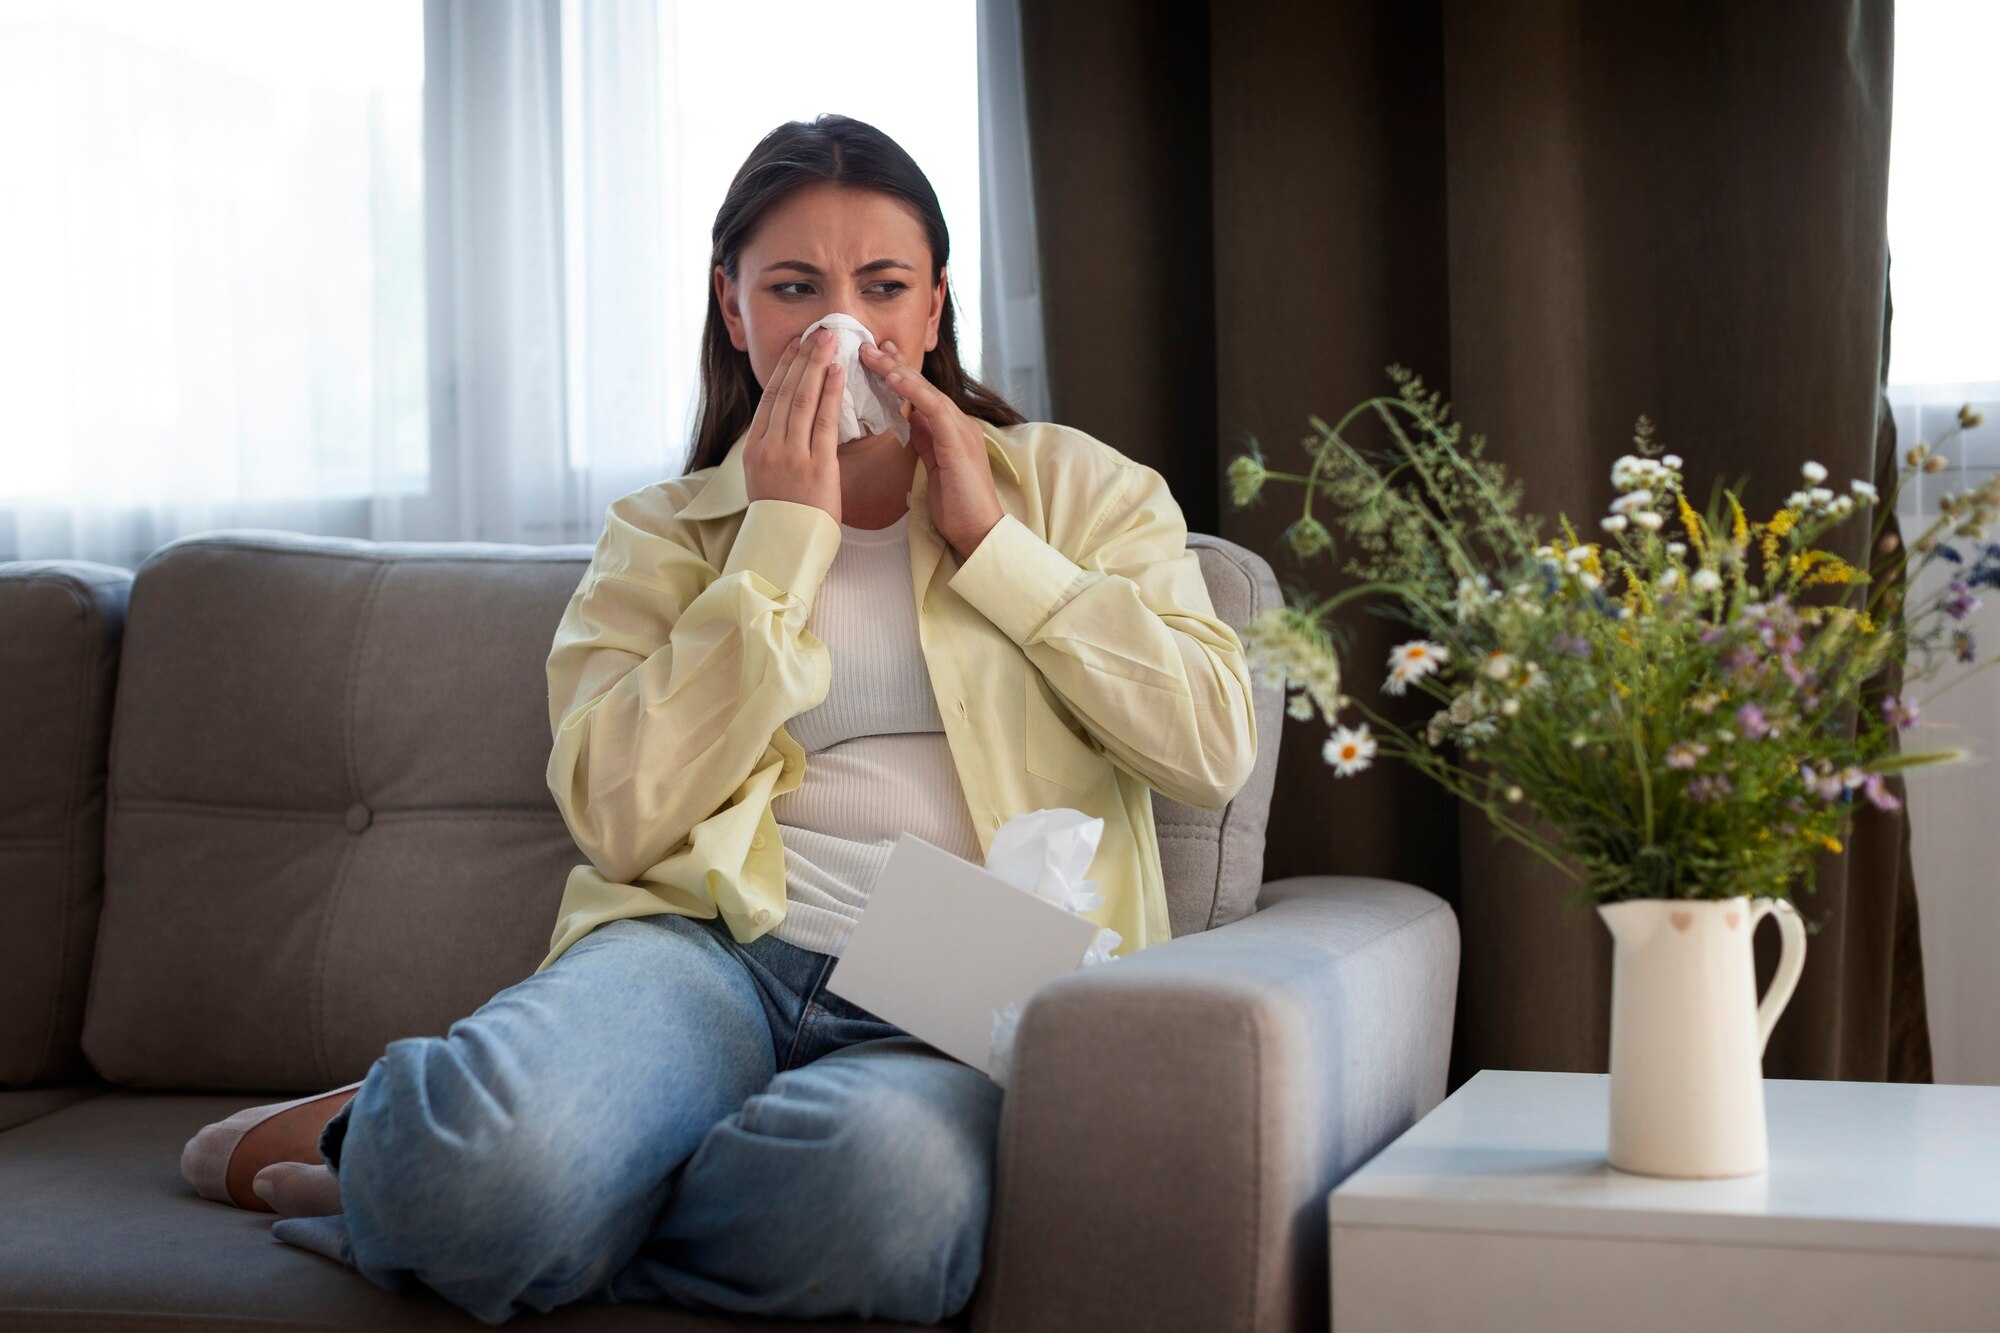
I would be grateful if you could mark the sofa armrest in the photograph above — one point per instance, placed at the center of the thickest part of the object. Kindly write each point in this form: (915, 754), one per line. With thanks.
(1175, 1119)
(63, 624)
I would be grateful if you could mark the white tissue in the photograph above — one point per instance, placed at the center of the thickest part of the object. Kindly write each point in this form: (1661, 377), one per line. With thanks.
(869, 406)
(1045, 852)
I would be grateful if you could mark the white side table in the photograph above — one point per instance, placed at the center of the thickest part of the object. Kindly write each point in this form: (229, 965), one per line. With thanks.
(1497, 1212)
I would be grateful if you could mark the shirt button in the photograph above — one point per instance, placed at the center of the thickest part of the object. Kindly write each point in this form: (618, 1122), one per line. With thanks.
(757, 841)
(763, 915)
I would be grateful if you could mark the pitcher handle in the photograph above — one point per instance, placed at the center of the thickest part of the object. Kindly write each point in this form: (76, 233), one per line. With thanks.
(1791, 962)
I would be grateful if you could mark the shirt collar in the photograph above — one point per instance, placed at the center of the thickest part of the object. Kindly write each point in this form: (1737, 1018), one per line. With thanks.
(724, 493)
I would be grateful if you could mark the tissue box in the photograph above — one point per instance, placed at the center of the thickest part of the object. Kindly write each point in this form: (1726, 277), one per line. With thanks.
(944, 943)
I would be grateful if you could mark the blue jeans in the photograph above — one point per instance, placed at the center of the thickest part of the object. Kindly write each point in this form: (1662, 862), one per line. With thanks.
(664, 1114)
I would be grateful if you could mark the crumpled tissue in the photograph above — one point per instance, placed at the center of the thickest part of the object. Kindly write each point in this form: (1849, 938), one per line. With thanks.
(868, 406)
(1045, 852)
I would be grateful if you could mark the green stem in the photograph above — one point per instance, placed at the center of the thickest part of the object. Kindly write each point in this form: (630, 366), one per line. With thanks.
(1350, 594)
(1443, 773)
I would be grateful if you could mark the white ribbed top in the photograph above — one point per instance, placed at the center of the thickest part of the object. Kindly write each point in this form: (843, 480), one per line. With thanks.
(878, 760)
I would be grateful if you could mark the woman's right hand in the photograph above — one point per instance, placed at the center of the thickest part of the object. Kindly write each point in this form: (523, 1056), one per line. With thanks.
(792, 452)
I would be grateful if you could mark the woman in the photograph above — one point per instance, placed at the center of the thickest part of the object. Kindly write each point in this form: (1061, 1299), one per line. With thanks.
(1001, 616)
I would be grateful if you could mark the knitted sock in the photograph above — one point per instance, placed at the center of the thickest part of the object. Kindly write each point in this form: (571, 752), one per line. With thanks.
(223, 1160)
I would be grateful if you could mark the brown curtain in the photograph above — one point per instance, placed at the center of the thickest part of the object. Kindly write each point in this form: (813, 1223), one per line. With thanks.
(1561, 214)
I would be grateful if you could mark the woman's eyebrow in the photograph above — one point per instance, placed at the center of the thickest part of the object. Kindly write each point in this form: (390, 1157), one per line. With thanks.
(801, 266)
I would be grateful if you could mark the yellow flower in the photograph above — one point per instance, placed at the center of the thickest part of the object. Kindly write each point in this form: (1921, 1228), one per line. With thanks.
(1815, 567)
(1692, 523)
(1740, 532)
(1781, 523)
(1835, 573)
(1832, 845)
(1624, 690)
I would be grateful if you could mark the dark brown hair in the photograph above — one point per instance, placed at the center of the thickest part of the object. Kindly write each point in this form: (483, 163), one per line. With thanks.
(842, 151)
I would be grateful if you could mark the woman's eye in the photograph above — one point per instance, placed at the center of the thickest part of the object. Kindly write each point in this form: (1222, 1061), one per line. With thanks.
(893, 288)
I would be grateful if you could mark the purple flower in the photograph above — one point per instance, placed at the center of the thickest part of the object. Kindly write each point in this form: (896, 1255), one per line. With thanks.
(1711, 634)
(1874, 788)
(1736, 657)
(1793, 672)
(1707, 787)
(1751, 718)
(1951, 553)
(1573, 644)
(1902, 713)
(1962, 602)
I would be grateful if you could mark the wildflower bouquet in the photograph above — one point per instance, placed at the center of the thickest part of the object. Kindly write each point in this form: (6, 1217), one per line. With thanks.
(1681, 702)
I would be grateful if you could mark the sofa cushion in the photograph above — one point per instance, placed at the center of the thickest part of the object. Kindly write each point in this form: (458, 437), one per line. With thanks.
(58, 668)
(1213, 860)
(19, 1106)
(330, 824)
(101, 1231)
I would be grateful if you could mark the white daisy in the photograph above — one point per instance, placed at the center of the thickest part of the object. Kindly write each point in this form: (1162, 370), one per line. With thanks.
(1349, 750)
(1412, 661)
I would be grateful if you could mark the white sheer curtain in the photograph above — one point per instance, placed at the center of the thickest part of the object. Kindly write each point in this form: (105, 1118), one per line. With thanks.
(423, 273)
(549, 295)
(211, 303)
(1014, 357)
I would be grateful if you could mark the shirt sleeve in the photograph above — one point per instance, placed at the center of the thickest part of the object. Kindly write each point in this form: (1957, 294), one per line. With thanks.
(1127, 637)
(668, 677)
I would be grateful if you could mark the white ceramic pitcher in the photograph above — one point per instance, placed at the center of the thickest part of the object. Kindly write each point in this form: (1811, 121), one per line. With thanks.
(1688, 1033)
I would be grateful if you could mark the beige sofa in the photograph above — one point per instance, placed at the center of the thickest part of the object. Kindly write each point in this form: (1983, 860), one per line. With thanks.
(279, 800)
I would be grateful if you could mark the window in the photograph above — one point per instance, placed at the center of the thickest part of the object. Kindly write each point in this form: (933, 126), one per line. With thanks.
(212, 252)
(908, 67)
(398, 270)
(1944, 196)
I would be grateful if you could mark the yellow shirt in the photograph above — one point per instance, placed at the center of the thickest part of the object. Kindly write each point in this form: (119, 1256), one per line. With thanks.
(1075, 655)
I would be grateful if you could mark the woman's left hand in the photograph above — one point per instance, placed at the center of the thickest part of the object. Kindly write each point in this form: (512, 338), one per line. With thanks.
(959, 484)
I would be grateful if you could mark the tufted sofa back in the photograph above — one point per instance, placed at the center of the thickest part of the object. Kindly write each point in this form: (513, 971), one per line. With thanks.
(327, 825)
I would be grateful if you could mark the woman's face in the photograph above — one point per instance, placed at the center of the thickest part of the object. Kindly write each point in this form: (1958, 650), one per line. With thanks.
(831, 249)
